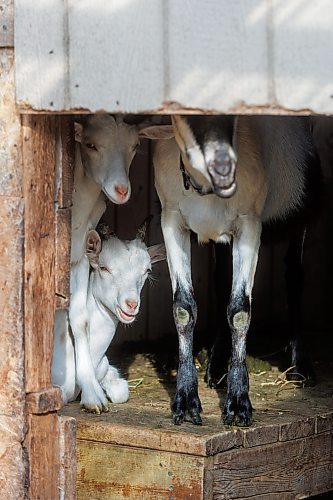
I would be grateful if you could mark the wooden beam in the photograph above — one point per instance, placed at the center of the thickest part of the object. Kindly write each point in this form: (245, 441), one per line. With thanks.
(38, 188)
(44, 456)
(7, 23)
(12, 395)
(64, 188)
(67, 480)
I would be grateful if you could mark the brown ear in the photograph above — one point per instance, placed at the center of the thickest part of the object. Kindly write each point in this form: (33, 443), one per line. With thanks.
(156, 131)
(78, 127)
(93, 248)
(157, 253)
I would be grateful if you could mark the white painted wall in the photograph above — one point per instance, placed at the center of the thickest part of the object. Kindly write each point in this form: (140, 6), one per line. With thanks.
(143, 55)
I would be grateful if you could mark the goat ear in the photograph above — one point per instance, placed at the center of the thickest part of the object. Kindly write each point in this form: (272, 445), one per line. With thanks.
(93, 248)
(78, 127)
(156, 131)
(157, 253)
(141, 232)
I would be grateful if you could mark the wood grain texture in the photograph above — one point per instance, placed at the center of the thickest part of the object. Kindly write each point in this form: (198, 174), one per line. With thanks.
(67, 478)
(10, 130)
(7, 23)
(12, 394)
(65, 159)
(49, 399)
(44, 456)
(62, 257)
(296, 469)
(12, 397)
(117, 472)
(39, 171)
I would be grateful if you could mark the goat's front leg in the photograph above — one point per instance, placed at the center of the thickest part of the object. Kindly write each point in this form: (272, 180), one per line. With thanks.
(237, 407)
(178, 245)
(93, 398)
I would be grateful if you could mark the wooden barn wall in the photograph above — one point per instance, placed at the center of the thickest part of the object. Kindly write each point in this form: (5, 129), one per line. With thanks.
(245, 55)
(12, 392)
(269, 309)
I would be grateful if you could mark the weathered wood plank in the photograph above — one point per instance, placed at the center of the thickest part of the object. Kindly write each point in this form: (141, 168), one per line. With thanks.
(65, 159)
(44, 456)
(67, 479)
(65, 162)
(39, 170)
(116, 472)
(62, 257)
(49, 399)
(12, 394)
(7, 23)
(293, 469)
(12, 397)
(10, 130)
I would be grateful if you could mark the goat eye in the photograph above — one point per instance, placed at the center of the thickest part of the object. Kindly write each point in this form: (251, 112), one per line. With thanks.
(91, 146)
(103, 268)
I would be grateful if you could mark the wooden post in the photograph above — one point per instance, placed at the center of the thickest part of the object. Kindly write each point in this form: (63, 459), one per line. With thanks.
(47, 245)
(12, 395)
(37, 448)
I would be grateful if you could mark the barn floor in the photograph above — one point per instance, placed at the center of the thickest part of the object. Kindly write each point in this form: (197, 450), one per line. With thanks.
(286, 453)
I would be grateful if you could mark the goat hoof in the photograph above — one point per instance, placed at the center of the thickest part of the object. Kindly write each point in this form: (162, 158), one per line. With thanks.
(92, 408)
(178, 419)
(302, 374)
(196, 419)
(238, 412)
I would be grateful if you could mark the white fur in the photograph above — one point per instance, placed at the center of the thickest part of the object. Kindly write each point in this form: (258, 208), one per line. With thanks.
(105, 147)
(119, 272)
(271, 152)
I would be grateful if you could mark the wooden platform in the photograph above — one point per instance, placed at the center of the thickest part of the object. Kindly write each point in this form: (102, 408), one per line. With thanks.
(136, 452)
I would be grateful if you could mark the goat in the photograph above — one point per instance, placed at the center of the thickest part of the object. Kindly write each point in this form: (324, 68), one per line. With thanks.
(274, 156)
(105, 147)
(119, 270)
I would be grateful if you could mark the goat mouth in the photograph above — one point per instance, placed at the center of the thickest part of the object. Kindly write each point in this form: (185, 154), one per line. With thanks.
(225, 192)
(124, 317)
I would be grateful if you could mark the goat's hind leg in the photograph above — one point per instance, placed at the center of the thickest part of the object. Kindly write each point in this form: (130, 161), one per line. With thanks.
(237, 407)
(178, 246)
(217, 367)
(302, 369)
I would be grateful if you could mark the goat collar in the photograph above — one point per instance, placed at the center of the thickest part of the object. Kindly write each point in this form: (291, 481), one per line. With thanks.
(189, 181)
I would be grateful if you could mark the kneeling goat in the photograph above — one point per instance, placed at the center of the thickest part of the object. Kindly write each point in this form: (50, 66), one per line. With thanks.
(118, 272)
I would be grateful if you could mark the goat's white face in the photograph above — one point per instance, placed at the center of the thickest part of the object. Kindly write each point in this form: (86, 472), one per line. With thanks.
(206, 143)
(120, 269)
(108, 146)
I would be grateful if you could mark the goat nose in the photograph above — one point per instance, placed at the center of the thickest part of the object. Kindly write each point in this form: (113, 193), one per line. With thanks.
(122, 190)
(131, 304)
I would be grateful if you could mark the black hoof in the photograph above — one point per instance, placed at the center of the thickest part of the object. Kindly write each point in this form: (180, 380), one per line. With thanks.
(238, 412)
(302, 374)
(186, 405)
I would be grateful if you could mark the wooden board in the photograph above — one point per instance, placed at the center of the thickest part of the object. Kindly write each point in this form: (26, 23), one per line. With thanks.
(136, 451)
(42, 443)
(12, 394)
(65, 157)
(215, 56)
(7, 23)
(39, 171)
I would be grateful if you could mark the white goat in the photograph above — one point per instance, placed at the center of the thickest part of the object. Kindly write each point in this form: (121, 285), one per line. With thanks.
(119, 270)
(105, 147)
(274, 156)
